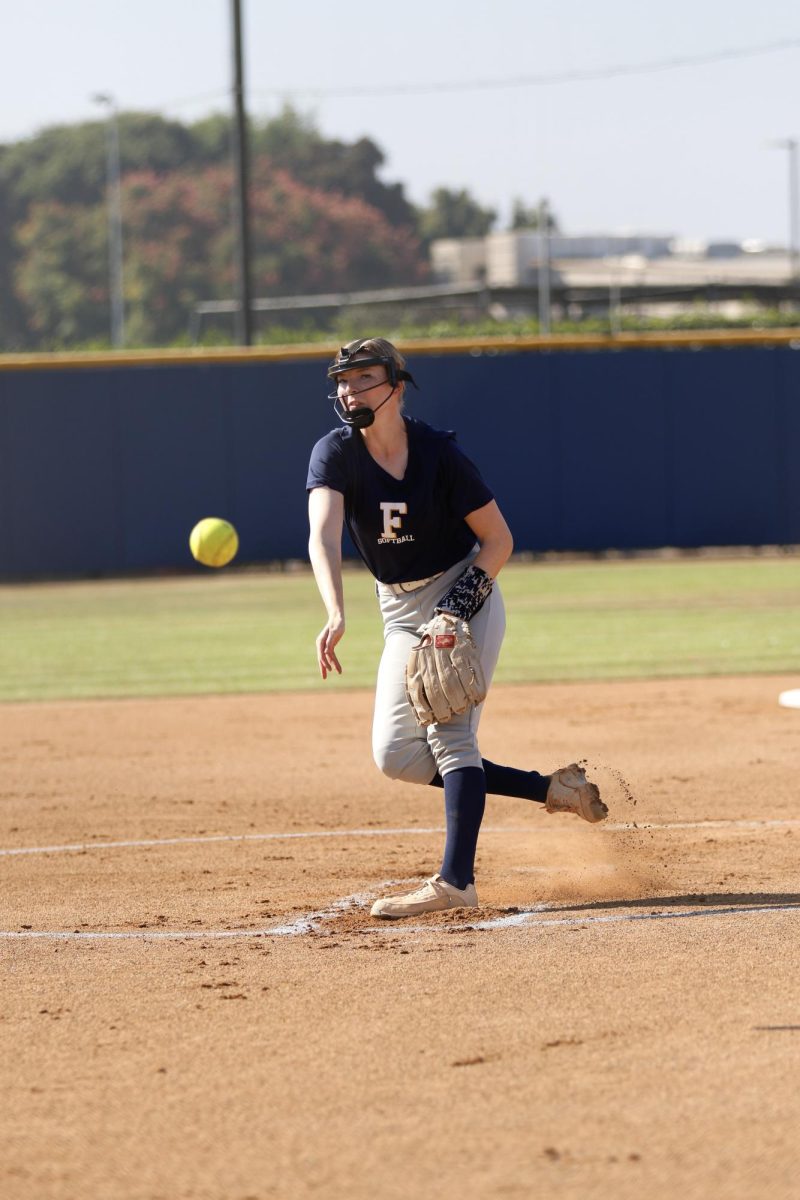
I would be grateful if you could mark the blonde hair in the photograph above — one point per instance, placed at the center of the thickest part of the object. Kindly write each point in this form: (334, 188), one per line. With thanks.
(377, 345)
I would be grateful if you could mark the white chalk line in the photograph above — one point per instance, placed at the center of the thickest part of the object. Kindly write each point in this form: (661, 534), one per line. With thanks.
(310, 922)
(307, 923)
(202, 839)
(529, 918)
(82, 847)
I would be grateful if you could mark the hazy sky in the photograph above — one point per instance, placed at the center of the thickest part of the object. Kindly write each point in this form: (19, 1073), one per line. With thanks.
(681, 151)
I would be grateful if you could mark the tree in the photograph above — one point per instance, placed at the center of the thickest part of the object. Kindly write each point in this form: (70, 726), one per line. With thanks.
(11, 317)
(453, 215)
(178, 248)
(293, 143)
(530, 218)
(212, 139)
(44, 181)
(322, 220)
(62, 279)
(67, 163)
(179, 251)
(310, 240)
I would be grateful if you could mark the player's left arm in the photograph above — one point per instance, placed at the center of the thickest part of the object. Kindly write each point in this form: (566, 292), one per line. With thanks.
(474, 586)
(490, 529)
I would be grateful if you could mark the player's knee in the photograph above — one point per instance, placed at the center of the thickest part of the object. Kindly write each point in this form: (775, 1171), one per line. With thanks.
(409, 763)
(391, 760)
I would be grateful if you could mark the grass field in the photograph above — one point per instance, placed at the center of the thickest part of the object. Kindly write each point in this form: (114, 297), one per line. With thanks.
(239, 631)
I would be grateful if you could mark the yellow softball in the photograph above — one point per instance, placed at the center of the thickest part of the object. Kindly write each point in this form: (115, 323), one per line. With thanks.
(213, 542)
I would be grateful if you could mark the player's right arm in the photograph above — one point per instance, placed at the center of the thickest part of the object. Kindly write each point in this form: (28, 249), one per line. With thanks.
(326, 519)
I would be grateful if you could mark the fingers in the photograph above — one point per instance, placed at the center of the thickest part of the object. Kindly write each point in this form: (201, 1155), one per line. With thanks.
(326, 654)
(328, 662)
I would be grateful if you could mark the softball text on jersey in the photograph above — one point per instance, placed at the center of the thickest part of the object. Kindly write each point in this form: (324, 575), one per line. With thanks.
(391, 522)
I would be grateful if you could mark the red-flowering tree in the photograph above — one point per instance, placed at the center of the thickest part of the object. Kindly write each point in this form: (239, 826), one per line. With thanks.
(62, 274)
(179, 250)
(322, 220)
(307, 240)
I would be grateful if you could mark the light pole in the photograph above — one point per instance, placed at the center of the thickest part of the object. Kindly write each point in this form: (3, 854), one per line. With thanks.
(244, 316)
(114, 200)
(790, 145)
(544, 267)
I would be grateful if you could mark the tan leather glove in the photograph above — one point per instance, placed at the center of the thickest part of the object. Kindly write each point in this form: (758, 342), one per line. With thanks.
(443, 673)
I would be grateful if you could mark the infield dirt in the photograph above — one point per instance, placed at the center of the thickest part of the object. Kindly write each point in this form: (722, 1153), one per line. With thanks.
(197, 1004)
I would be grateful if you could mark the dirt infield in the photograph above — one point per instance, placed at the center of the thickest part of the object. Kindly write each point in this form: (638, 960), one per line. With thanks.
(196, 1003)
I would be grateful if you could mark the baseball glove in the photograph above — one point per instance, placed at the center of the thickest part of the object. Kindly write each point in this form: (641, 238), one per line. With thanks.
(443, 673)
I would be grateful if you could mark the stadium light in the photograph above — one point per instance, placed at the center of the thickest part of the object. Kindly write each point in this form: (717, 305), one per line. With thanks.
(544, 267)
(114, 201)
(790, 145)
(244, 329)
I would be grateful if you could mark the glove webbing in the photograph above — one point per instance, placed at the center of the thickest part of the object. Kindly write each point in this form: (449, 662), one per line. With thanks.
(468, 594)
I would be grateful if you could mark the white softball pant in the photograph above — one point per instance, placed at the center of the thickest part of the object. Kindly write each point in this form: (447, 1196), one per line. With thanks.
(402, 748)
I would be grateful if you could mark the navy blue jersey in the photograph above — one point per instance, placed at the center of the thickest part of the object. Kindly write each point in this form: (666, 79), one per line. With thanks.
(409, 528)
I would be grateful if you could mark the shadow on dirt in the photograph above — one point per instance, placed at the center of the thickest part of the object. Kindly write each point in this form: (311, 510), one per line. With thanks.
(743, 900)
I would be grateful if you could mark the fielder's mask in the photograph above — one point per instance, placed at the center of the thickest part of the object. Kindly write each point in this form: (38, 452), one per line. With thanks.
(352, 356)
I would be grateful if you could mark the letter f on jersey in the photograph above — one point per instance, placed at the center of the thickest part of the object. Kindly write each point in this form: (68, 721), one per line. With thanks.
(392, 522)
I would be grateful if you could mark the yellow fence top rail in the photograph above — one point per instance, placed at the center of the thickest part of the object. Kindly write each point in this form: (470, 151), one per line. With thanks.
(206, 356)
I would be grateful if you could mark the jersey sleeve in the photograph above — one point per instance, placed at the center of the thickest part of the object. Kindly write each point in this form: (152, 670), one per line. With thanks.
(465, 484)
(327, 467)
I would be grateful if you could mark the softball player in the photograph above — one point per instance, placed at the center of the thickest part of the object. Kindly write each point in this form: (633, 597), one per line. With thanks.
(431, 533)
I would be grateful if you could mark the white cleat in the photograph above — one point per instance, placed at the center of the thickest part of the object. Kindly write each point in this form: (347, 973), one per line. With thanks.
(435, 895)
(570, 791)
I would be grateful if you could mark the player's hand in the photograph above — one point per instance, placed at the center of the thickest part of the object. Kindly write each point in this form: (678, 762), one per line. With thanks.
(327, 641)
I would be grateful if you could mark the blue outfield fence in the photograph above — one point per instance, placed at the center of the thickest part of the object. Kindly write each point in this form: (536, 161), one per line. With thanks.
(105, 468)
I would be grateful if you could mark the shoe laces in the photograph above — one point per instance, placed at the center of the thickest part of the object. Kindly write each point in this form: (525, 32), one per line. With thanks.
(424, 889)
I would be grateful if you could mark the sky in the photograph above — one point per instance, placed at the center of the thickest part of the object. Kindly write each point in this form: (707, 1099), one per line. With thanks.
(486, 96)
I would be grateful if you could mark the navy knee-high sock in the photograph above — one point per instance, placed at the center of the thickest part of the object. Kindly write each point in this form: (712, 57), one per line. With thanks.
(464, 802)
(508, 781)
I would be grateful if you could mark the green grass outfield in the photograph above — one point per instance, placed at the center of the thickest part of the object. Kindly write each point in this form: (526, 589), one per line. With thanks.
(244, 631)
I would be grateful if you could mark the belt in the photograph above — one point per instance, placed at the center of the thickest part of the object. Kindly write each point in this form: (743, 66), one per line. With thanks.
(411, 585)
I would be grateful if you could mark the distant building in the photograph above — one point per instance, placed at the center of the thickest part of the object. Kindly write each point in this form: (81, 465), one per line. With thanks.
(511, 258)
(458, 260)
(586, 274)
